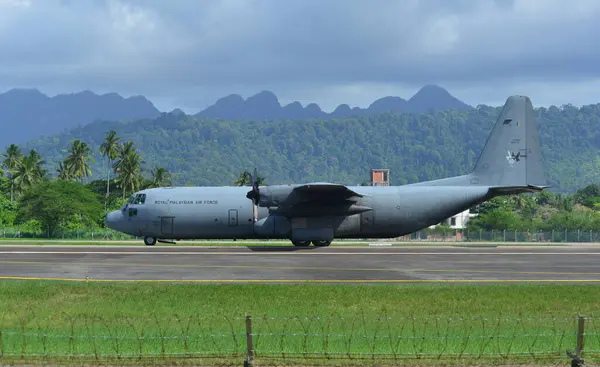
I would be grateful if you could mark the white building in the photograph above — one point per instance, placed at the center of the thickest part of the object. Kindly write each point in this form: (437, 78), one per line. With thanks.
(458, 221)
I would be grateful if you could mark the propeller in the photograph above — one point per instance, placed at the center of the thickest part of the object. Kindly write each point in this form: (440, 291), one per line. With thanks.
(254, 195)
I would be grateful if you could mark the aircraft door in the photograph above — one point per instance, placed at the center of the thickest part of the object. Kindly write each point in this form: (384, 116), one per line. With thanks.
(163, 207)
(166, 225)
(233, 217)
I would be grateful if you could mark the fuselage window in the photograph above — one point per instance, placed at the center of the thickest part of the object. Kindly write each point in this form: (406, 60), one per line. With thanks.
(133, 212)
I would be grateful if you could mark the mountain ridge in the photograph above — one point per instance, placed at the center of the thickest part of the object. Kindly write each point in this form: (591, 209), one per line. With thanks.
(27, 113)
(266, 105)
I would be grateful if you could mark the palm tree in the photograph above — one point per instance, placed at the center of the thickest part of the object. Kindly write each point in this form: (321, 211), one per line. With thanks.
(77, 161)
(128, 168)
(12, 160)
(245, 179)
(29, 172)
(160, 178)
(123, 151)
(110, 149)
(65, 171)
(39, 163)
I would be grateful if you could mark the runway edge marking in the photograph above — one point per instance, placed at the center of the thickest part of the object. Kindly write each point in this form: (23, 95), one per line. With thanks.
(286, 253)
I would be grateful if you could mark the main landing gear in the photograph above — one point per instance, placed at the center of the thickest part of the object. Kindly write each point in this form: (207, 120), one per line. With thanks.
(151, 241)
(315, 243)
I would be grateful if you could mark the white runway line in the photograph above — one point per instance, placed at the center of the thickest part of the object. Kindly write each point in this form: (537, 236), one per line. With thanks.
(291, 253)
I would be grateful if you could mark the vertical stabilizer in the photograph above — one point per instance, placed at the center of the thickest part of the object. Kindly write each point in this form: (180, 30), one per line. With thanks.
(512, 156)
(511, 159)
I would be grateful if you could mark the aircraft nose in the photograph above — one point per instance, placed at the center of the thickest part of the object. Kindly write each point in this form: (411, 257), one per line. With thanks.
(112, 219)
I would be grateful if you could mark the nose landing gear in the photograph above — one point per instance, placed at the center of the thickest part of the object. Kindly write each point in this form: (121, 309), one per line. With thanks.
(149, 241)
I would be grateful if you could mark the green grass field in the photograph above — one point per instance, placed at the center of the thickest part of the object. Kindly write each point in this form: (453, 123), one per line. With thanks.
(301, 324)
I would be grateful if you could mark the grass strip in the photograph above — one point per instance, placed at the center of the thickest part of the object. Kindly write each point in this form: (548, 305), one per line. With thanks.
(421, 324)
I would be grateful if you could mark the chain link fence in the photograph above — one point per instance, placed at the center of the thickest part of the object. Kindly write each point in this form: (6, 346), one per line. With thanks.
(506, 236)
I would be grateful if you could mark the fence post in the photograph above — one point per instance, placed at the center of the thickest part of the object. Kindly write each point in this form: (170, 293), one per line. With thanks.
(576, 358)
(249, 351)
(580, 334)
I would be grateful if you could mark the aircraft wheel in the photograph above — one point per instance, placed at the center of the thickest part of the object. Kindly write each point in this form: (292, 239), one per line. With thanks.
(149, 241)
(321, 243)
(301, 243)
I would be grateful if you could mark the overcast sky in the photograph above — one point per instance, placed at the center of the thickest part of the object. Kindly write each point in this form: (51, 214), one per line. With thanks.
(188, 53)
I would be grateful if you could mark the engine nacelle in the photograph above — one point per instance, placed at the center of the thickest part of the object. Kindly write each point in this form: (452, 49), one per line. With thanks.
(272, 196)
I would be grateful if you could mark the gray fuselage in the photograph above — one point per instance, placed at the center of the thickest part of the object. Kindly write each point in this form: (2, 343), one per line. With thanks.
(226, 213)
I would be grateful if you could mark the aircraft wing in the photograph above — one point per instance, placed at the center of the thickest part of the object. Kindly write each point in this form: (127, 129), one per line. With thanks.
(321, 190)
(321, 199)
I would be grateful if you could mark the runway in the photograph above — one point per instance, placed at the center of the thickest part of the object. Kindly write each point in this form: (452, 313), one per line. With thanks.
(287, 264)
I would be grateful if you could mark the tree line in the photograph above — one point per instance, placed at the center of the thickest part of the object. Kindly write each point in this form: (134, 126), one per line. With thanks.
(415, 147)
(545, 211)
(35, 196)
(68, 197)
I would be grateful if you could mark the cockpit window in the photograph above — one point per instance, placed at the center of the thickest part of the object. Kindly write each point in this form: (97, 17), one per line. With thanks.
(139, 199)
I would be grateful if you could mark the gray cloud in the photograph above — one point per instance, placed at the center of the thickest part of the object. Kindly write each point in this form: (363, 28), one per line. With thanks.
(187, 53)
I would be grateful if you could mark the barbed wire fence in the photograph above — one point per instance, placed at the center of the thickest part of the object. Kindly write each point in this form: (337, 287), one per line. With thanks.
(357, 339)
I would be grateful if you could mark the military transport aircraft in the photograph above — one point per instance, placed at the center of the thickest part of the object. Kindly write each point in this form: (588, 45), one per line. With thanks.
(510, 162)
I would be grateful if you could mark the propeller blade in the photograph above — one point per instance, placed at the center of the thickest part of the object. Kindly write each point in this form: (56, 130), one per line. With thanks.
(255, 213)
(254, 194)
(255, 180)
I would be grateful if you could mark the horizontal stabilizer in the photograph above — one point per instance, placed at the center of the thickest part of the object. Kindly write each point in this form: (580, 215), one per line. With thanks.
(516, 189)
